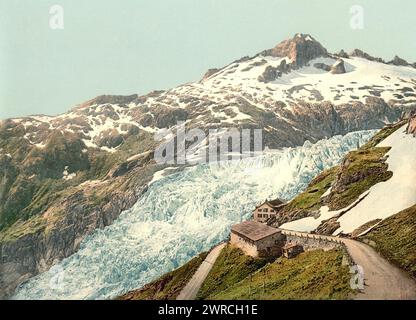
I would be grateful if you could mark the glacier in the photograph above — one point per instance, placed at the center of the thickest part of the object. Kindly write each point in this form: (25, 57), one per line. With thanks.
(181, 215)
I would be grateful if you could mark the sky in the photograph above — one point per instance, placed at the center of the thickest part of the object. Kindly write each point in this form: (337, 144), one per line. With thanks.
(136, 46)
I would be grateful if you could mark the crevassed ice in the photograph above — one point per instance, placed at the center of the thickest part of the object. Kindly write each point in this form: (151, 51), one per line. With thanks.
(180, 216)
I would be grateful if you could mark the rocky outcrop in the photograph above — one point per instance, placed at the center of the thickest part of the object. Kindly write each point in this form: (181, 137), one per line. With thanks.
(411, 126)
(110, 99)
(368, 115)
(342, 54)
(322, 66)
(397, 61)
(272, 73)
(338, 67)
(166, 118)
(359, 169)
(328, 227)
(110, 138)
(301, 49)
(209, 73)
(361, 54)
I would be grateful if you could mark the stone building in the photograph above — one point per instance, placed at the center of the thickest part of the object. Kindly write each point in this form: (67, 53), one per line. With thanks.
(267, 210)
(291, 250)
(257, 239)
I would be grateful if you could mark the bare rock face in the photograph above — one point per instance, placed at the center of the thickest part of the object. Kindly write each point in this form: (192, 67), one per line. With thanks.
(345, 178)
(110, 99)
(411, 126)
(36, 251)
(301, 49)
(338, 67)
(110, 138)
(397, 61)
(361, 54)
(271, 73)
(343, 54)
(322, 66)
(169, 117)
(210, 72)
(328, 227)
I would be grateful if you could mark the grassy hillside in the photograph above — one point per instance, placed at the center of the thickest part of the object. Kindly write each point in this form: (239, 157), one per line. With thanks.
(231, 266)
(359, 171)
(383, 134)
(395, 239)
(33, 180)
(169, 285)
(311, 275)
(310, 199)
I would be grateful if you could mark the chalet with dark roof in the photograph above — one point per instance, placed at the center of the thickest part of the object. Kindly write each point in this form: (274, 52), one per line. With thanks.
(268, 209)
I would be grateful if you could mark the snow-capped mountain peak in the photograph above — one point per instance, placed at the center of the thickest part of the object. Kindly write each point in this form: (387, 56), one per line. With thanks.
(300, 49)
(295, 91)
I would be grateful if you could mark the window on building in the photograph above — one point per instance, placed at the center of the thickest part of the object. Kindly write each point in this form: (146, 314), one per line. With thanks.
(265, 210)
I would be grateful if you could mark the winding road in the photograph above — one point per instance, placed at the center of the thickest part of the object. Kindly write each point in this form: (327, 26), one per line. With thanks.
(191, 289)
(382, 280)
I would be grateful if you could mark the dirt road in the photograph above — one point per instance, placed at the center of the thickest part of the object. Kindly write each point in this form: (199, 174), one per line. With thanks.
(382, 280)
(191, 289)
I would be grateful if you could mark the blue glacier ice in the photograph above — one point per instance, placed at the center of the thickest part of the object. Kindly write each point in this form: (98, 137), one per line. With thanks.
(180, 216)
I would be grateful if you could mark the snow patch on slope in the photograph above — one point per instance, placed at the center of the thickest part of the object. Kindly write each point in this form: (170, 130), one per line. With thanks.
(363, 78)
(383, 199)
(396, 194)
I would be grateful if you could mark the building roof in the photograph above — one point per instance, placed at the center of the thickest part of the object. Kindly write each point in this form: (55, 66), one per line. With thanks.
(290, 246)
(272, 203)
(254, 230)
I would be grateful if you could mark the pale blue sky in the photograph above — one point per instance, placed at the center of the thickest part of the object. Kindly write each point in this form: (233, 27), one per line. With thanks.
(135, 46)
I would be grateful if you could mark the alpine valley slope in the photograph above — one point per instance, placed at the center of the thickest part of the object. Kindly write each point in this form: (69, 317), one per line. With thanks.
(63, 177)
(181, 215)
(373, 183)
(378, 220)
